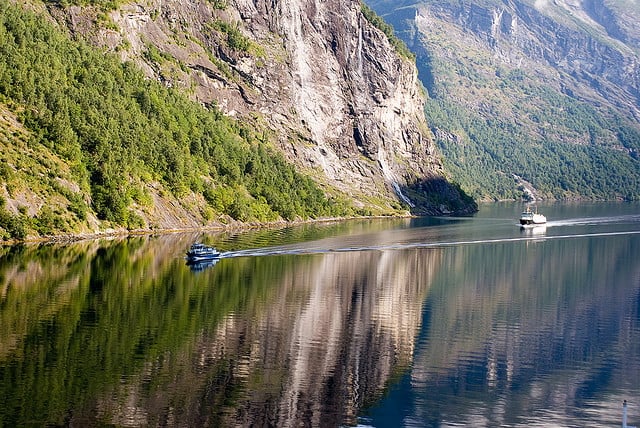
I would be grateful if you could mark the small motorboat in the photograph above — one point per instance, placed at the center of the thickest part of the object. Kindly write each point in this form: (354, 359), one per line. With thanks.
(199, 252)
(530, 218)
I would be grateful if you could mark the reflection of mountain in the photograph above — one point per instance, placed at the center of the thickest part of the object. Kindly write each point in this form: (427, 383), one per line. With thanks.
(124, 333)
(335, 331)
(506, 321)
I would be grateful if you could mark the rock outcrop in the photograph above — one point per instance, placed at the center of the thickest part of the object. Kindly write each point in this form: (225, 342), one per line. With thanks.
(318, 77)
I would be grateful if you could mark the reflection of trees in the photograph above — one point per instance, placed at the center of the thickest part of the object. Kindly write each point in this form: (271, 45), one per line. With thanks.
(78, 317)
(505, 316)
(33, 287)
(122, 332)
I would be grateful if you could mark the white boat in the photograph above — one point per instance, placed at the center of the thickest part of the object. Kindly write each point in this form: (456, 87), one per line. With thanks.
(529, 217)
(200, 252)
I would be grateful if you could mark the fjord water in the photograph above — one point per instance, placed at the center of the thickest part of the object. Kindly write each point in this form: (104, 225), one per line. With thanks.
(385, 322)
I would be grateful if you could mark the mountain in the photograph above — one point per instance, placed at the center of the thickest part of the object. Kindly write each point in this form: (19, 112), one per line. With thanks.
(177, 114)
(530, 98)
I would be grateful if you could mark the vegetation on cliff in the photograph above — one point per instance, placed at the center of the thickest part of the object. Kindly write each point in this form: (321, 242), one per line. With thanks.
(377, 21)
(105, 5)
(101, 136)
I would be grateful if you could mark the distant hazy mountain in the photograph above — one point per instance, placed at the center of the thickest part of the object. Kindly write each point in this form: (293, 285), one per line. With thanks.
(530, 97)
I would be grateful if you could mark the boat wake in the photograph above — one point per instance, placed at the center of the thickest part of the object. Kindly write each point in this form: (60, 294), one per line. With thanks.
(595, 220)
(275, 251)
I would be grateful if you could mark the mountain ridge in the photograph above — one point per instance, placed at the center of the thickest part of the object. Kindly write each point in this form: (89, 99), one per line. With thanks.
(319, 88)
(557, 83)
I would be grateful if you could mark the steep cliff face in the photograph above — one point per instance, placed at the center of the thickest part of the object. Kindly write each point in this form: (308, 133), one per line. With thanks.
(357, 101)
(317, 76)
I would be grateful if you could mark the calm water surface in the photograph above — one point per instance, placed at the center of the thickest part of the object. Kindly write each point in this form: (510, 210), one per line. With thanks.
(428, 322)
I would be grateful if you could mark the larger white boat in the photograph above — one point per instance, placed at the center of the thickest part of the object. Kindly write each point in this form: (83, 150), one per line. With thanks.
(529, 217)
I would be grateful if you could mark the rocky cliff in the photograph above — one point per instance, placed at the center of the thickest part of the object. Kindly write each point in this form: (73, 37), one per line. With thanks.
(322, 82)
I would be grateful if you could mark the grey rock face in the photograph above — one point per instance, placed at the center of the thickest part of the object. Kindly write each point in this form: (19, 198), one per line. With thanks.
(338, 99)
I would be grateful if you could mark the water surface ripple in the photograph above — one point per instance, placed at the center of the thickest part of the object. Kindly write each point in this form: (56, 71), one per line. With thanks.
(423, 322)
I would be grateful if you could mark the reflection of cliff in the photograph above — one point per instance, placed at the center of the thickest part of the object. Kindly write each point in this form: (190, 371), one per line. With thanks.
(507, 315)
(357, 327)
(324, 341)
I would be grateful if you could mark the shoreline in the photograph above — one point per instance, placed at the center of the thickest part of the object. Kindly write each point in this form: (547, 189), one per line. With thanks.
(124, 233)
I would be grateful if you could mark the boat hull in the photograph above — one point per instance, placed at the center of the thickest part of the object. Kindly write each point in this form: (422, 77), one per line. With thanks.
(528, 222)
(197, 259)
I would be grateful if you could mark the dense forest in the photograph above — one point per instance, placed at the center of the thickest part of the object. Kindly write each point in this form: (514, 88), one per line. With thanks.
(90, 119)
(582, 153)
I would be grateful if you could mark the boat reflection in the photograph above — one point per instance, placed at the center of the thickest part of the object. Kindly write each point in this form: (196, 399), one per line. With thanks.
(200, 265)
(538, 230)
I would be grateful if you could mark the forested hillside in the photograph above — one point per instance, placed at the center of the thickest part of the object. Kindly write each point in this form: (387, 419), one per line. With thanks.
(530, 99)
(166, 114)
(86, 138)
